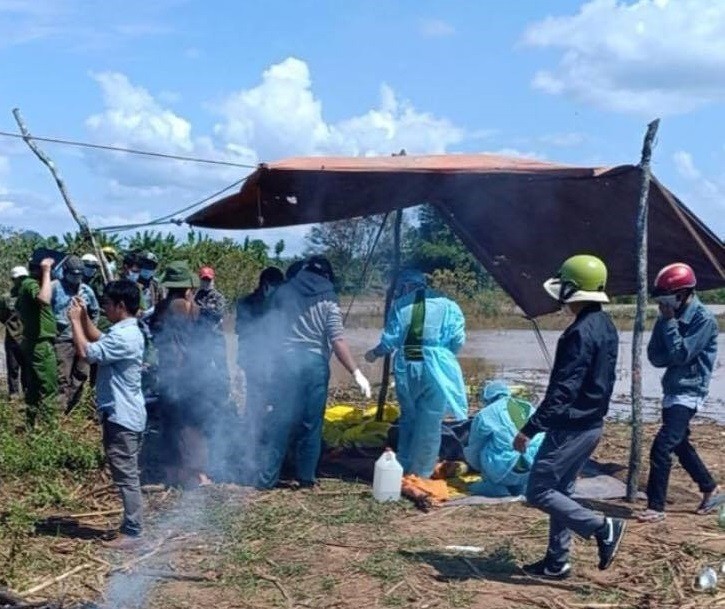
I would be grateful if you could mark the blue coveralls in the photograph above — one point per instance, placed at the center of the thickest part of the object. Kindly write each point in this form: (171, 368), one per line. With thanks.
(490, 444)
(425, 330)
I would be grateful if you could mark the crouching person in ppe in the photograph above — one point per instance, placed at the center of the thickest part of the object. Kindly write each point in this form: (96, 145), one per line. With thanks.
(572, 415)
(425, 330)
(119, 355)
(307, 324)
(505, 471)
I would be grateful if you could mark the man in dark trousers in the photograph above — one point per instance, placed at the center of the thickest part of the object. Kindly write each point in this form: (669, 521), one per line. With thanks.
(9, 317)
(572, 415)
(684, 342)
(120, 401)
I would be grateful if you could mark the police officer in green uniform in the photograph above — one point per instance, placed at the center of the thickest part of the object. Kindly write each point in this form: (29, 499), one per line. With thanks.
(17, 372)
(39, 331)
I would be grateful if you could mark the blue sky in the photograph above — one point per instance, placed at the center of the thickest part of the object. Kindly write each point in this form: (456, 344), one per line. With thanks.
(567, 81)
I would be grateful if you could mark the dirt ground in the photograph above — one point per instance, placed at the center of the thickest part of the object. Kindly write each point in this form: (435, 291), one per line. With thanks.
(334, 547)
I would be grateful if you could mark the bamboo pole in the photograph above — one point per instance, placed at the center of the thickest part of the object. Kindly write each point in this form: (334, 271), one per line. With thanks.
(635, 453)
(385, 381)
(48, 162)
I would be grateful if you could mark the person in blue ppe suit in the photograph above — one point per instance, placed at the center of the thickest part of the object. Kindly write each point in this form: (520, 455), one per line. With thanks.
(490, 451)
(425, 330)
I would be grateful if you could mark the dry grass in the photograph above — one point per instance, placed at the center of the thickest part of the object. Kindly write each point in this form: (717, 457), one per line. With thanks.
(335, 547)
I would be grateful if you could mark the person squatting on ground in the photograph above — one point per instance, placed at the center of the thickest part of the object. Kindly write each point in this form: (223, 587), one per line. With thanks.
(308, 323)
(73, 370)
(119, 399)
(490, 451)
(36, 315)
(212, 305)
(185, 407)
(255, 376)
(16, 370)
(425, 330)
(572, 415)
(684, 342)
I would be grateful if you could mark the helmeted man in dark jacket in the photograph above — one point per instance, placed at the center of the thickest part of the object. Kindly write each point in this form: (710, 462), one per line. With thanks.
(572, 415)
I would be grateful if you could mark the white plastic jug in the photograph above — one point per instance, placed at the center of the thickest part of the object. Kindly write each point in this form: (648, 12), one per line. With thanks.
(388, 477)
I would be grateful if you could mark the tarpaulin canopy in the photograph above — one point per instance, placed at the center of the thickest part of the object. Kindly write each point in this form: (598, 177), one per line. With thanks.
(520, 218)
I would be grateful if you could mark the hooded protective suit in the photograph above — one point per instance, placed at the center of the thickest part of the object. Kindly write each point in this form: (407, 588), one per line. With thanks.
(425, 330)
(490, 444)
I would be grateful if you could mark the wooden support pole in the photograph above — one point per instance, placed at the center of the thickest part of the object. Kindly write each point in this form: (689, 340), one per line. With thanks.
(47, 161)
(635, 453)
(385, 381)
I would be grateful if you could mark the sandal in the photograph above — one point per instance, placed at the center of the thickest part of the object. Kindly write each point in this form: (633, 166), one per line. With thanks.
(710, 504)
(650, 516)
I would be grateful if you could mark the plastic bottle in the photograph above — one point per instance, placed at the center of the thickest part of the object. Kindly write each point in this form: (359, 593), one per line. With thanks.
(388, 477)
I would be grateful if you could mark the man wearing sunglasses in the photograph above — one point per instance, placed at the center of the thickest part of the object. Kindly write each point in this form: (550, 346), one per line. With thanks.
(684, 342)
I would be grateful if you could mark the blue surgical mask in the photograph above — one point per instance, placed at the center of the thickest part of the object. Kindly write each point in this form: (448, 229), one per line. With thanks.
(146, 273)
(132, 276)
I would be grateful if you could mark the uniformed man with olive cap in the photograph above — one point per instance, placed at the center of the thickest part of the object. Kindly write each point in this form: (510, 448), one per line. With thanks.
(572, 415)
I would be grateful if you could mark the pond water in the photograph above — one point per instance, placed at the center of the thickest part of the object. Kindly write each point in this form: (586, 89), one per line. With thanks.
(515, 355)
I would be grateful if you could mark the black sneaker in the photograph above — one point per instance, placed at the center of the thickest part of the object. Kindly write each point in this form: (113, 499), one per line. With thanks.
(609, 539)
(541, 569)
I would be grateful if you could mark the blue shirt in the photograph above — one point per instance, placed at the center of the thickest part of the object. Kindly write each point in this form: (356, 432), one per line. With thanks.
(60, 300)
(119, 355)
(686, 346)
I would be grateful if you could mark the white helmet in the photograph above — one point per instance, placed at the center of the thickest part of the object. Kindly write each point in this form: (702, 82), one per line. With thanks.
(90, 260)
(18, 271)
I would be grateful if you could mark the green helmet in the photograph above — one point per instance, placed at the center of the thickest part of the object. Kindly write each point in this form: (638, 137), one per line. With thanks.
(582, 278)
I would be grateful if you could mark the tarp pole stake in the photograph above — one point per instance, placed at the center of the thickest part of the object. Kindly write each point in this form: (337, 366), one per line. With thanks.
(48, 162)
(635, 452)
(542, 343)
(385, 381)
(363, 274)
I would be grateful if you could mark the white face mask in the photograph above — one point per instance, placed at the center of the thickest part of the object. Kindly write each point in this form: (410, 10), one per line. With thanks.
(205, 284)
(670, 300)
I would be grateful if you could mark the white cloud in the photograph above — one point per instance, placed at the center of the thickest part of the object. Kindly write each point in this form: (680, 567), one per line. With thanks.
(133, 118)
(276, 118)
(515, 152)
(706, 193)
(282, 117)
(563, 140)
(436, 28)
(645, 57)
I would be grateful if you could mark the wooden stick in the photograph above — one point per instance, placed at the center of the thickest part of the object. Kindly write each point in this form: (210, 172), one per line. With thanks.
(49, 582)
(177, 575)
(46, 160)
(635, 453)
(90, 514)
(278, 584)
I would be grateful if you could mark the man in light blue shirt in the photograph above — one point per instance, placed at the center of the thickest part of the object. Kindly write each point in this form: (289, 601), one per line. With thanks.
(120, 401)
(73, 371)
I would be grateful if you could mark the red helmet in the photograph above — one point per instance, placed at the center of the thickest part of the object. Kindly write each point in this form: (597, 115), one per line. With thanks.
(673, 278)
(206, 272)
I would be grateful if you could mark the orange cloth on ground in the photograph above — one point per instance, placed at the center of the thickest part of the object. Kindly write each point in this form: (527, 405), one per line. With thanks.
(417, 488)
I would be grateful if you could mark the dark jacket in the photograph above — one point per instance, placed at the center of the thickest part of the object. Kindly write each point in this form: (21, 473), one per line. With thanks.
(687, 347)
(583, 376)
